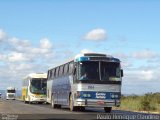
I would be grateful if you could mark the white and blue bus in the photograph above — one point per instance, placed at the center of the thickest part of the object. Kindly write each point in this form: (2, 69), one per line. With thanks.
(90, 80)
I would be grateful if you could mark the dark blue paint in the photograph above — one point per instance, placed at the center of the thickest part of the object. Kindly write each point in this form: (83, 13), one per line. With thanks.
(108, 95)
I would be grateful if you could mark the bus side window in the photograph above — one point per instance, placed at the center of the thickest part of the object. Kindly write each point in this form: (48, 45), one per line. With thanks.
(48, 75)
(52, 75)
(61, 71)
(66, 69)
(70, 67)
(57, 71)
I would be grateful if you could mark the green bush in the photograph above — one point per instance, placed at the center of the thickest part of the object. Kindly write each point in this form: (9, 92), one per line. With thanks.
(147, 102)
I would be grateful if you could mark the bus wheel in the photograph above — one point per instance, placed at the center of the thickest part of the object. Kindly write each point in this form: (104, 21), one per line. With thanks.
(29, 102)
(71, 104)
(107, 109)
(24, 101)
(52, 102)
(58, 106)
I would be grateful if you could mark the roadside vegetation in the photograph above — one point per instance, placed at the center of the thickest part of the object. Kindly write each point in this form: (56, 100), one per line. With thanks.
(149, 102)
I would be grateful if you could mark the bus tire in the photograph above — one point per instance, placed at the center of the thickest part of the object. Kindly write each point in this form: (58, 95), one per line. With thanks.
(52, 102)
(58, 106)
(71, 104)
(107, 109)
(29, 102)
(24, 101)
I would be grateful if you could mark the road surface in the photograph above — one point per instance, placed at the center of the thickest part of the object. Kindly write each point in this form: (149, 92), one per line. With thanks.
(14, 109)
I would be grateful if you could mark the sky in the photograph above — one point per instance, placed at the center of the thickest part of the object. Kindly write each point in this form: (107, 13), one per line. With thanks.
(36, 35)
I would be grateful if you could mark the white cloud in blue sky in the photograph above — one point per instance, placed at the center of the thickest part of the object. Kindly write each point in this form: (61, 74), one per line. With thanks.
(35, 36)
(145, 54)
(96, 35)
(2, 36)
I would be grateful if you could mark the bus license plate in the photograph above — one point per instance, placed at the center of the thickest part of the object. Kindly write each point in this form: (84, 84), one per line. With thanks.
(100, 102)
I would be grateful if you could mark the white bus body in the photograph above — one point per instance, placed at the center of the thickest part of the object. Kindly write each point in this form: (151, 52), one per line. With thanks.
(34, 88)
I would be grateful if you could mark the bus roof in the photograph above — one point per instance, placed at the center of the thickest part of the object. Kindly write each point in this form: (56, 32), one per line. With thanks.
(95, 56)
(88, 55)
(92, 55)
(37, 75)
(10, 88)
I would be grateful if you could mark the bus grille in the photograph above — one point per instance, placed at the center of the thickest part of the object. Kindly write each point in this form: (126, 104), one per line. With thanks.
(10, 96)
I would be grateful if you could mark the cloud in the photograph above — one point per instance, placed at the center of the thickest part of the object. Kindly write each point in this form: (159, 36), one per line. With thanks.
(140, 81)
(14, 57)
(17, 43)
(82, 52)
(137, 74)
(45, 43)
(96, 35)
(121, 55)
(2, 35)
(126, 64)
(20, 57)
(145, 54)
(2, 57)
(86, 51)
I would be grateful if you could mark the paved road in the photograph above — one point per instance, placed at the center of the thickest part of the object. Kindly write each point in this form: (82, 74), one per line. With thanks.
(18, 110)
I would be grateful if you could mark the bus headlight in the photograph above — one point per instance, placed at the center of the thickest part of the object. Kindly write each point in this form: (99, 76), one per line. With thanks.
(87, 95)
(33, 96)
(112, 96)
(116, 96)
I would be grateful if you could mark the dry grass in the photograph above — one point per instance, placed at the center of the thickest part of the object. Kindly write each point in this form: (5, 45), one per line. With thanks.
(149, 102)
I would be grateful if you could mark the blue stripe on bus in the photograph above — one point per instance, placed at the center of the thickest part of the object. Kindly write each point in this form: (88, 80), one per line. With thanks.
(115, 60)
(88, 59)
(99, 95)
(82, 59)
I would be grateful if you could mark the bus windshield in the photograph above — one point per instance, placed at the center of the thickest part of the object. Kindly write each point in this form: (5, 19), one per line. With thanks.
(95, 70)
(89, 70)
(10, 91)
(38, 86)
(109, 69)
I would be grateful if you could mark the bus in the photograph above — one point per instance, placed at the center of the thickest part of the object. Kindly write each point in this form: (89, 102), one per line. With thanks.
(34, 88)
(89, 80)
(10, 93)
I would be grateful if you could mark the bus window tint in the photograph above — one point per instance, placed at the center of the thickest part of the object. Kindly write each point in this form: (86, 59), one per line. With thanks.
(109, 69)
(38, 86)
(89, 71)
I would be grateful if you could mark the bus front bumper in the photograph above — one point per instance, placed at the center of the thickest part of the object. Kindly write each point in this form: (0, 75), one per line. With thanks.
(34, 99)
(97, 103)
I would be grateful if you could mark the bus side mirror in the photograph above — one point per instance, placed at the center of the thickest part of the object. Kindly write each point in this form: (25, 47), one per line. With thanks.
(121, 73)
